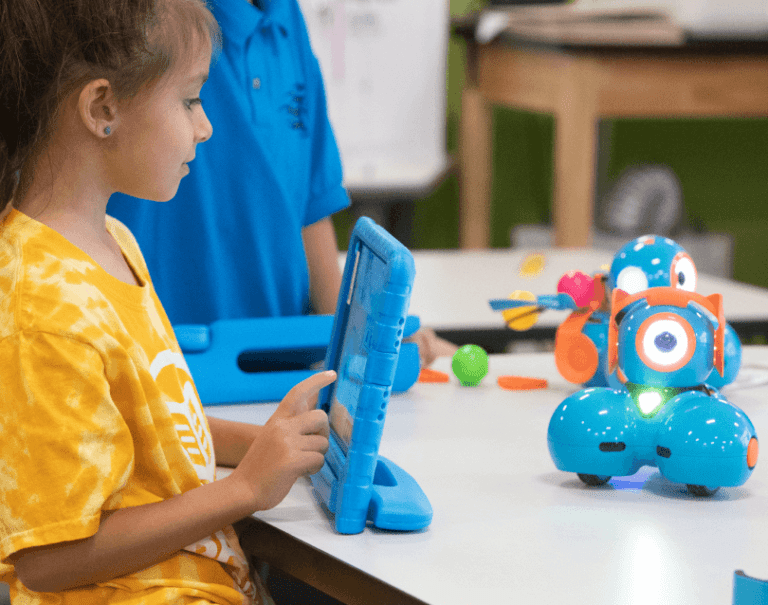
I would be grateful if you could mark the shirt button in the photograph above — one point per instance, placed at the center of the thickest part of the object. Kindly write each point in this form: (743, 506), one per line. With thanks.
(257, 83)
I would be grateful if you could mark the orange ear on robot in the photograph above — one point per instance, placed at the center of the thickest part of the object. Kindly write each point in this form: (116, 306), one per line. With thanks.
(719, 360)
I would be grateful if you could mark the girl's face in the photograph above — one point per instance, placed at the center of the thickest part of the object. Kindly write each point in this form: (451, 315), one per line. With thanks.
(158, 133)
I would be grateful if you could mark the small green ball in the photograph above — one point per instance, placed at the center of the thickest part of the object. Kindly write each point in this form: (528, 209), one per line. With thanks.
(470, 365)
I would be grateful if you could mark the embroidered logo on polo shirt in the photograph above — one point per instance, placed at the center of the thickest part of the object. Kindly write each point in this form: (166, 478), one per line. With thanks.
(296, 107)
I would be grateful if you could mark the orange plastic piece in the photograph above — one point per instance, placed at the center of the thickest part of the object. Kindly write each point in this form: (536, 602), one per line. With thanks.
(752, 452)
(717, 302)
(427, 375)
(521, 383)
(576, 355)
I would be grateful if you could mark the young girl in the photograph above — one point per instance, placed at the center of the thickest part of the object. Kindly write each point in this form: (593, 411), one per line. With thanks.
(107, 461)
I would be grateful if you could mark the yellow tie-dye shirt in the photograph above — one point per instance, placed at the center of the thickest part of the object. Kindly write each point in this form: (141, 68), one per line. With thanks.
(98, 412)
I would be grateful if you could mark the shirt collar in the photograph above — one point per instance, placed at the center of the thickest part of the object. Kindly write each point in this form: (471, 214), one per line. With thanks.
(240, 19)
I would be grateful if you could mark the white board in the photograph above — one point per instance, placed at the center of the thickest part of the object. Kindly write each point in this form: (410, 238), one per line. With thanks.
(384, 65)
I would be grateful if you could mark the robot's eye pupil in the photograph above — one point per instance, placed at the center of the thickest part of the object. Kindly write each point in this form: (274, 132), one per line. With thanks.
(665, 342)
(681, 278)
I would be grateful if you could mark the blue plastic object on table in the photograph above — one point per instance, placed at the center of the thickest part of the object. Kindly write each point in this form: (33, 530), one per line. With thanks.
(748, 590)
(261, 359)
(556, 302)
(355, 483)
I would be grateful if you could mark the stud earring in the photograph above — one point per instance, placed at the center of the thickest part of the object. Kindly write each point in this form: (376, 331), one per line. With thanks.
(107, 131)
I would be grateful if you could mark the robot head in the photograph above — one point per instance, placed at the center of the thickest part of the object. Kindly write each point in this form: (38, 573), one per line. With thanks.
(665, 337)
(652, 261)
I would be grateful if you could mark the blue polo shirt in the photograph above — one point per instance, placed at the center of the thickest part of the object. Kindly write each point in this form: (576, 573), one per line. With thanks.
(229, 244)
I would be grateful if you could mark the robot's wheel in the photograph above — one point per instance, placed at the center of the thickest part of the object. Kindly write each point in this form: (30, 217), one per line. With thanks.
(594, 479)
(701, 490)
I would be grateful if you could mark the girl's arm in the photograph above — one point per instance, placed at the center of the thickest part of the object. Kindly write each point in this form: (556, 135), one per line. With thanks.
(292, 443)
(131, 539)
(231, 440)
(323, 262)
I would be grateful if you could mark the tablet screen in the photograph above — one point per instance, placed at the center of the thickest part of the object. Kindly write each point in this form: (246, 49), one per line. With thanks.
(347, 394)
(354, 349)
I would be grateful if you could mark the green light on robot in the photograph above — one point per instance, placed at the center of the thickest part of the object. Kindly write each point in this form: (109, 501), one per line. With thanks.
(649, 402)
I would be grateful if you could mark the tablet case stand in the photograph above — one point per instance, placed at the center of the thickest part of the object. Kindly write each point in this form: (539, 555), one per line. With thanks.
(396, 502)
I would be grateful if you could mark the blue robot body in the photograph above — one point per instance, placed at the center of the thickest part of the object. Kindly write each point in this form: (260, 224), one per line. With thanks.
(598, 428)
(664, 344)
(709, 437)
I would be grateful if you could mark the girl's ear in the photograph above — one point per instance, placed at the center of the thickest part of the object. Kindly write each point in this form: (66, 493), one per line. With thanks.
(97, 108)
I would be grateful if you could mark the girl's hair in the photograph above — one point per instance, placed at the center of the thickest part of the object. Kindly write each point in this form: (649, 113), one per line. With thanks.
(51, 48)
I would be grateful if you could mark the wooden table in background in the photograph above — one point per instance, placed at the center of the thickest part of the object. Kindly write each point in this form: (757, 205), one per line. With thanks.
(580, 86)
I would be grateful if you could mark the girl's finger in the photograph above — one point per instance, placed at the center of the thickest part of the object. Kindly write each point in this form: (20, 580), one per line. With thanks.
(313, 422)
(315, 443)
(306, 390)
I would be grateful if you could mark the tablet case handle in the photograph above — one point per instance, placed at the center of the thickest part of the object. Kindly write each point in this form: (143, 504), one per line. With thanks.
(286, 347)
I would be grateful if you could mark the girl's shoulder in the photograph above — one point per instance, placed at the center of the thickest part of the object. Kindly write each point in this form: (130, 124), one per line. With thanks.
(33, 274)
(48, 284)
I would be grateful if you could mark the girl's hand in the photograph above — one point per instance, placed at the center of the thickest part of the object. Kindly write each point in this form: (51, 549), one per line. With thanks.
(292, 443)
(431, 346)
(303, 397)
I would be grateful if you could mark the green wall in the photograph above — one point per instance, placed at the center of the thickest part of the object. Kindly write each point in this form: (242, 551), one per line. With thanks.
(722, 165)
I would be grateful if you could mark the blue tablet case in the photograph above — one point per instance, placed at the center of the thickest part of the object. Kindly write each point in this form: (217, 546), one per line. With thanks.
(262, 358)
(748, 590)
(356, 484)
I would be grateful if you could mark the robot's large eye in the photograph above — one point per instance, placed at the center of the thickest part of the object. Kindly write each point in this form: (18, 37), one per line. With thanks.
(632, 280)
(665, 342)
(682, 273)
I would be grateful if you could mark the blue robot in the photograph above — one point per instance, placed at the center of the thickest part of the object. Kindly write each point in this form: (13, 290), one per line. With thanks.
(653, 261)
(663, 343)
(581, 341)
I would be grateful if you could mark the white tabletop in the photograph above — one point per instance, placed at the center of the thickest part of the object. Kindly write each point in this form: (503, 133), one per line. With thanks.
(509, 527)
(452, 288)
